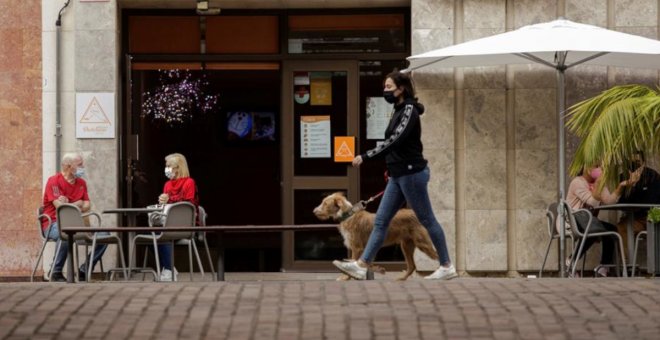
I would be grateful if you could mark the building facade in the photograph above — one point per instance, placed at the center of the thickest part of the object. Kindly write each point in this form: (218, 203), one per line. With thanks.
(489, 132)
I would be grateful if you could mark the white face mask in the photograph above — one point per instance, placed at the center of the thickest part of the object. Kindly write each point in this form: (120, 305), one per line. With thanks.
(169, 173)
(79, 172)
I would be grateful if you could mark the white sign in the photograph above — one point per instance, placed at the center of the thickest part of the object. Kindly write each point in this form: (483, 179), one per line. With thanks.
(95, 115)
(315, 137)
(379, 112)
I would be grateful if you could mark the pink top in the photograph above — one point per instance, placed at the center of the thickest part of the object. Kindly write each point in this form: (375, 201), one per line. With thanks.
(579, 196)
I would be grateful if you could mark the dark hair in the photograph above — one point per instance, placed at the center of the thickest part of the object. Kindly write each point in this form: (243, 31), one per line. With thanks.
(403, 82)
(640, 153)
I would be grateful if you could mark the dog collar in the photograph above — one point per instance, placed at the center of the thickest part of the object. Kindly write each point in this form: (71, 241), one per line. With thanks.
(356, 207)
(346, 216)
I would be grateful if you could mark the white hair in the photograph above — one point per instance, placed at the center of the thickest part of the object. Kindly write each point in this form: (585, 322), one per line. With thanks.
(70, 157)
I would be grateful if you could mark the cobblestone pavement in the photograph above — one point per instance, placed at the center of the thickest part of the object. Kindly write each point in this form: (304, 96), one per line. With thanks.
(500, 308)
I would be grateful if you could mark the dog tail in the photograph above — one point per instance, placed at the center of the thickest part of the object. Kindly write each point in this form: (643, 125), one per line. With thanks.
(423, 243)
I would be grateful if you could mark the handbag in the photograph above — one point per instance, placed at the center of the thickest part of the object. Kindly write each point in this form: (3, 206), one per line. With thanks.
(157, 218)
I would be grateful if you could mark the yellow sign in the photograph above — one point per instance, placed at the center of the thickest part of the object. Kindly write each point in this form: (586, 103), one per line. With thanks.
(321, 88)
(344, 149)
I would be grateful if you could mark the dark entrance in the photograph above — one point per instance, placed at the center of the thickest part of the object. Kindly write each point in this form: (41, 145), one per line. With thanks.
(253, 173)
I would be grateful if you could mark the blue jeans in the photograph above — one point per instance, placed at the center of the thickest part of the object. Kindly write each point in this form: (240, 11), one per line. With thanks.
(62, 254)
(165, 255)
(414, 190)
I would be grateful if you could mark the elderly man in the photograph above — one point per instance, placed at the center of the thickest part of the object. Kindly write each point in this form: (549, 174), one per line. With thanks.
(67, 187)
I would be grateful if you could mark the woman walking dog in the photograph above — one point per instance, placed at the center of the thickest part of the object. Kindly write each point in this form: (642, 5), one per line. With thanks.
(408, 179)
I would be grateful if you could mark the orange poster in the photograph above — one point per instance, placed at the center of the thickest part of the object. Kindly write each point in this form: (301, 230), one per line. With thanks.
(344, 149)
(321, 88)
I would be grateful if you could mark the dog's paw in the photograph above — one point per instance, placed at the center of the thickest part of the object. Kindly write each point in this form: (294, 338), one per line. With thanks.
(343, 277)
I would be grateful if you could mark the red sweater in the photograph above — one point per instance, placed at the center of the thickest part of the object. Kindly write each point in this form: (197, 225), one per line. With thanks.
(180, 190)
(58, 186)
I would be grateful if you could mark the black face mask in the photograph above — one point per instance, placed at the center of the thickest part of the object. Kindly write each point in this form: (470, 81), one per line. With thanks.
(635, 165)
(389, 97)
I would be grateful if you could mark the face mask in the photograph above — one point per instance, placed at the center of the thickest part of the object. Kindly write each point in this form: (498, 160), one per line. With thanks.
(169, 173)
(389, 97)
(595, 173)
(79, 172)
(635, 165)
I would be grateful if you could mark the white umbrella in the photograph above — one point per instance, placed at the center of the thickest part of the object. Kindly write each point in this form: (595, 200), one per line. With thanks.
(560, 44)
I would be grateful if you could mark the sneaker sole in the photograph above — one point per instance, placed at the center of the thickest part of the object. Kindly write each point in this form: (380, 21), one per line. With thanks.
(352, 275)
(446, 278)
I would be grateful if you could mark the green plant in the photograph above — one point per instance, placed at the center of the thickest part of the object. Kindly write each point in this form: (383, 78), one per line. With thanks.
(654, 215)
(613, 126)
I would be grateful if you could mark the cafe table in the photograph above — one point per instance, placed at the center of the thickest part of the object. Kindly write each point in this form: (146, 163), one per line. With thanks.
(132, 213)
(629, 210)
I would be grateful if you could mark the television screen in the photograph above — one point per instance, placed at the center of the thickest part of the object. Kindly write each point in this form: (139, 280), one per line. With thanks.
(250, 126)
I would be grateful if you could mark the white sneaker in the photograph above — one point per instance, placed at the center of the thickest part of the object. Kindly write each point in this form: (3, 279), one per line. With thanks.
(352, 269)
(166, 275)
(443, 273)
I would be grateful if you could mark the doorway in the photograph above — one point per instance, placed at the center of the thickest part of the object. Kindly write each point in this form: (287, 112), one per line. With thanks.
(230, 139)
(248, 153)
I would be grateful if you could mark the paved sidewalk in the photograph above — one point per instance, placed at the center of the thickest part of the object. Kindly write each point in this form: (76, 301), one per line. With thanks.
(324, 309)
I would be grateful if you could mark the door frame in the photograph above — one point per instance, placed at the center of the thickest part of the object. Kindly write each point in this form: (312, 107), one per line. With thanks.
(290, 182)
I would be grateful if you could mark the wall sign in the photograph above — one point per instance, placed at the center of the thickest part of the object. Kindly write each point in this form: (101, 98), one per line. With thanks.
(344, 149)
(378, 117)
(315, 137)
(95, 115)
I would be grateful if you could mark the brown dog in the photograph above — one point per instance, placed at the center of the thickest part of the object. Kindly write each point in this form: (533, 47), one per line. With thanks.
(356, 226)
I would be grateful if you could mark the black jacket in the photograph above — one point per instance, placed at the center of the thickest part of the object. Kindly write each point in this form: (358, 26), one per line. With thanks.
(647, 189)
(402, 147)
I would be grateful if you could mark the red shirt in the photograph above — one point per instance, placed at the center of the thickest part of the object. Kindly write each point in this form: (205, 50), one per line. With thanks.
(182, 189)
(57, 186)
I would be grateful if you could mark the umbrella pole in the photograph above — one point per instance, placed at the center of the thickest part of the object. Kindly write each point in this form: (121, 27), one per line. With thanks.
(561, 100)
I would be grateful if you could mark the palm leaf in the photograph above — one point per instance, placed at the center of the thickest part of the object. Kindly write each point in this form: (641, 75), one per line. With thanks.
(583, 114)
(614, 125)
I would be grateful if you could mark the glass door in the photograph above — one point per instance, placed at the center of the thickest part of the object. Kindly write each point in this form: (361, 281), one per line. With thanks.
(319, 102)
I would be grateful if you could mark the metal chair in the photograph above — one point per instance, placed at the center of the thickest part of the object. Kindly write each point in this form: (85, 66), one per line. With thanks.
(551, 219)
(642, 234)
(44, 240)
(201, 236)
(181, 214)
(69, 215)
(582, 236)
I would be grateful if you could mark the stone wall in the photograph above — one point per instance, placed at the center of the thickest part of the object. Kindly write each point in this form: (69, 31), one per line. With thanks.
(89, 38)
(20, 133)
(491, 132)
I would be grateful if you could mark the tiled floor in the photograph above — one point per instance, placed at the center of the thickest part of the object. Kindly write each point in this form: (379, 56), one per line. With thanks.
(314, 306)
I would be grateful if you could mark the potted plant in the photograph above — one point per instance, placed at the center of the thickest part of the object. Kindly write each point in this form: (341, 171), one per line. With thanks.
(652, 238)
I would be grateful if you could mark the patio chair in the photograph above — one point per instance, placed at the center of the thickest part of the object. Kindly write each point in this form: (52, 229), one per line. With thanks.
(582, 236)
(44, 241)
(181, 214)
(642, 234)
(69, 215)
(551, 219)
(201, 236)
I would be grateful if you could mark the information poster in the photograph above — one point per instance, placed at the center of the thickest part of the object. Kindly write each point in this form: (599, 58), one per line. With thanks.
(95, 115)
(379, 113)
(321, 88)
(315, 137)
(344, 149)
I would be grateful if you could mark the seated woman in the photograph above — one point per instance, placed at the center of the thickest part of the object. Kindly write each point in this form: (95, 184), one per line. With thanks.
(583, 194)
(179, 188)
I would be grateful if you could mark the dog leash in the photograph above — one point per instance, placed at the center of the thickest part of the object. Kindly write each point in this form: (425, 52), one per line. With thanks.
(363, 204)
